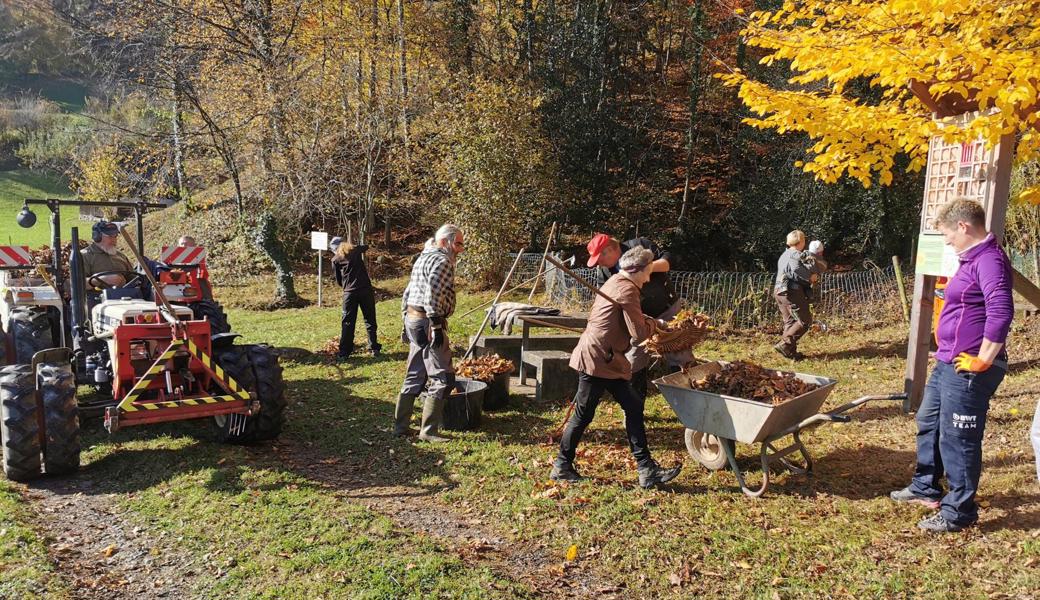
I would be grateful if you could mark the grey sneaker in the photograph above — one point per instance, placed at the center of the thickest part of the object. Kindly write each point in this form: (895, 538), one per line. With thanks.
(905, 495)
(938, 524)
(565, 472)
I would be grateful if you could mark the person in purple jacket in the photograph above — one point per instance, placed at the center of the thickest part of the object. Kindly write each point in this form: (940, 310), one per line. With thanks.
(970, 364)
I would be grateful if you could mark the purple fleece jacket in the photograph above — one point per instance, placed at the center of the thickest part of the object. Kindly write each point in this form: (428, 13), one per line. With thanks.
(978, 302)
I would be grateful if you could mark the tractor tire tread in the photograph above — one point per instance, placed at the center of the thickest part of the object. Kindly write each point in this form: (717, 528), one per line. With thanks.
(57, 386)
(19, 427)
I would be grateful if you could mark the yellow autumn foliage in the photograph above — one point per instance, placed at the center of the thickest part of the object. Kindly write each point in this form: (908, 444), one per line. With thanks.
(986, 49)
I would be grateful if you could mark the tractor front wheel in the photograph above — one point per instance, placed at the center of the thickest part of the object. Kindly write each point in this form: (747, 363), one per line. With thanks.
(214, 312)
(19, 427)
(254, 368)
(57, 387)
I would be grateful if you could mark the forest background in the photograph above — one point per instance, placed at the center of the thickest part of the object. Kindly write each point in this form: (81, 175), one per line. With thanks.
(276, 117)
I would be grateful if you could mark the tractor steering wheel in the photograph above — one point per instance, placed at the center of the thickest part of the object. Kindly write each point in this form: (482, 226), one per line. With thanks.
(132, 279)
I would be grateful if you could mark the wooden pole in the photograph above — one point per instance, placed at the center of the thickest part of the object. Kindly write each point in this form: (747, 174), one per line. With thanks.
(920, 341)
(541, 265)
(487, 317)
(901, 286)
(581, 280)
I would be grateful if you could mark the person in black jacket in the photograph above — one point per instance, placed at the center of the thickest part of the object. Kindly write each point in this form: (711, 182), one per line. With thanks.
(658, 298)
(352, 275)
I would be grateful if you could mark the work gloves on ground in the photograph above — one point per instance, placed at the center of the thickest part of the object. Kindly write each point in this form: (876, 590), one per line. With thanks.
(966, 363)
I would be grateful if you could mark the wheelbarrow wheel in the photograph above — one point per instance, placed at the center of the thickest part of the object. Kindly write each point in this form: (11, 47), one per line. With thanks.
(708, 449)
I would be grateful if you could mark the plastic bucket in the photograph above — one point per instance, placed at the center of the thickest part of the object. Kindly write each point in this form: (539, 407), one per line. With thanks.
(464, 405)
(497, 395)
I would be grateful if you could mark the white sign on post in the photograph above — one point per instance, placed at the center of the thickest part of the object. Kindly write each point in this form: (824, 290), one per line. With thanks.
(319, 242)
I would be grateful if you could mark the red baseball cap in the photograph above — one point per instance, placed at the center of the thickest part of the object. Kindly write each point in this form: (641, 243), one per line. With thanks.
(596, 245)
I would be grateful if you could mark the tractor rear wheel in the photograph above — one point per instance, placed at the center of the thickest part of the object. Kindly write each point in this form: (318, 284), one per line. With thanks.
(57, 387)
(255, 368)
(19, 427)
(214, 312)
(32, 330)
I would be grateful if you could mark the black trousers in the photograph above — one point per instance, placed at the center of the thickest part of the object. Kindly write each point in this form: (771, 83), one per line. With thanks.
(366, 301)
(590, 390)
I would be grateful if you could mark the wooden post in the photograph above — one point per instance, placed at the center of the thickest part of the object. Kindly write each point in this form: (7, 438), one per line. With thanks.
(1025, 288)
(920, 341)
(901, 286)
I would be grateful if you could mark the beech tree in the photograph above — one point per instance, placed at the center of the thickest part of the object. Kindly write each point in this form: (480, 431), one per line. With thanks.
(958, 51)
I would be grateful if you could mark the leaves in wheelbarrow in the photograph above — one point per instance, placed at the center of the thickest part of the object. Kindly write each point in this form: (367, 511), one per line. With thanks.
(742, 379)
(484, 368)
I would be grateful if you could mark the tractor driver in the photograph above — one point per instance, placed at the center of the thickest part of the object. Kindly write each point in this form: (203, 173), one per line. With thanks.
(102, 255)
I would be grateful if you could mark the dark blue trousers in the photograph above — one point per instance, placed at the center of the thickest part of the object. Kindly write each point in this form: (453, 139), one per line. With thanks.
(950, 424)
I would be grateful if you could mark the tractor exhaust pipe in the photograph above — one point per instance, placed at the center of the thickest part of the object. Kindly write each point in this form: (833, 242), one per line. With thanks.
(77, 302)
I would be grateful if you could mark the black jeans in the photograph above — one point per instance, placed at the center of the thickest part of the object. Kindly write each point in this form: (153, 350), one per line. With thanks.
(366, 301)
(590, 390)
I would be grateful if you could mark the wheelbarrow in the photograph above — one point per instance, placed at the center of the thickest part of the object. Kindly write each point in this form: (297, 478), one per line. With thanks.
(715, 422)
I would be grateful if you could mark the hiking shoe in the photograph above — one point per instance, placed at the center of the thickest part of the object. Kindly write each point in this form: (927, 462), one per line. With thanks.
(785, 351)
(565, 472)
(654, 474)
(905, 495)
(938, 524)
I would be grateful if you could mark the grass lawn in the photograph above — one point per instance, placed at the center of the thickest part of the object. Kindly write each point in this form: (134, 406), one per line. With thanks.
(15, 187)
(277, 526)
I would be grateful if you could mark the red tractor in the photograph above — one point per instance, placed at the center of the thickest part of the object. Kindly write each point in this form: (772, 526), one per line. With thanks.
(159, 361)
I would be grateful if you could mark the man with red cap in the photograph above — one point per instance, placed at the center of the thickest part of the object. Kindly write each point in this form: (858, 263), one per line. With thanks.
(658, 298)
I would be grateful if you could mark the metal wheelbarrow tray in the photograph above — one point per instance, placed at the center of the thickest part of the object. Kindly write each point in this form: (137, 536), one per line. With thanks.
(714, 422)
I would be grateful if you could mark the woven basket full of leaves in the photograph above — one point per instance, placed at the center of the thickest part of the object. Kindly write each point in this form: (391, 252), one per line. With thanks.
(685, 331)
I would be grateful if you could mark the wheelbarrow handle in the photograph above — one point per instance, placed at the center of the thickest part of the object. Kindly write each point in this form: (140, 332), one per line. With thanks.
(834, 416)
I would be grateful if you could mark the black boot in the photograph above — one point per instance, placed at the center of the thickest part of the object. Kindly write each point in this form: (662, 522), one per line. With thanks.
(654, 474)
(564, 471)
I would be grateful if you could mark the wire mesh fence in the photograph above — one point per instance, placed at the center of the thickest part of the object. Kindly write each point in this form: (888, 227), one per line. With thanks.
(739, 300)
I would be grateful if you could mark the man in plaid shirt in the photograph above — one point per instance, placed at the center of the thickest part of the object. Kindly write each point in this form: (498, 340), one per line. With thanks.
(427, 303)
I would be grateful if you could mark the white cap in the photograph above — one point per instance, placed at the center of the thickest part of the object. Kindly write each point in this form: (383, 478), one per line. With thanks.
(816, 246)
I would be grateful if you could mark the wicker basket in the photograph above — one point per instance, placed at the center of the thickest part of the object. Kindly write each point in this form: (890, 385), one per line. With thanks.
(688, 330)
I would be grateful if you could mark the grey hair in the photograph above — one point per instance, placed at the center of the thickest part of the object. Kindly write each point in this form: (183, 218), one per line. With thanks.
(447, 232)
(961, 209)
(635, 260)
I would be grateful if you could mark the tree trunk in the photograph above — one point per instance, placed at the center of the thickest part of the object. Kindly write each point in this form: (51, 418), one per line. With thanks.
(403, 56)
(178, 139)
(268, 241)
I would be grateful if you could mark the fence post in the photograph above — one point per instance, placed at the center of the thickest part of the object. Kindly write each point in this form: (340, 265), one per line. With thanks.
(901, 285)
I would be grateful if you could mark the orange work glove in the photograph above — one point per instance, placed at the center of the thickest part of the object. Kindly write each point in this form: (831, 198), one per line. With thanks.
(972, 364)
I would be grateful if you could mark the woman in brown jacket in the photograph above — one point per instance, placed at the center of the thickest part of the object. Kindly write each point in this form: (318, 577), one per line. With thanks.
(599, 359)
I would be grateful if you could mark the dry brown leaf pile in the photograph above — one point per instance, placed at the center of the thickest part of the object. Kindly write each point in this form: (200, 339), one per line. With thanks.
(684, 332)
(484, 368)
(753, 382)
(44, 255)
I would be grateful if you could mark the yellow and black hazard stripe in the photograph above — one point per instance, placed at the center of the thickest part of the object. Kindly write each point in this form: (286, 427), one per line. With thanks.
(211, 365)
(187, 402)
(157, 368)
(153, 371)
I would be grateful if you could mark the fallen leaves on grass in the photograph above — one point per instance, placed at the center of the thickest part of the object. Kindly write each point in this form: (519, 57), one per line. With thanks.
(747, 380)
(329, 348)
